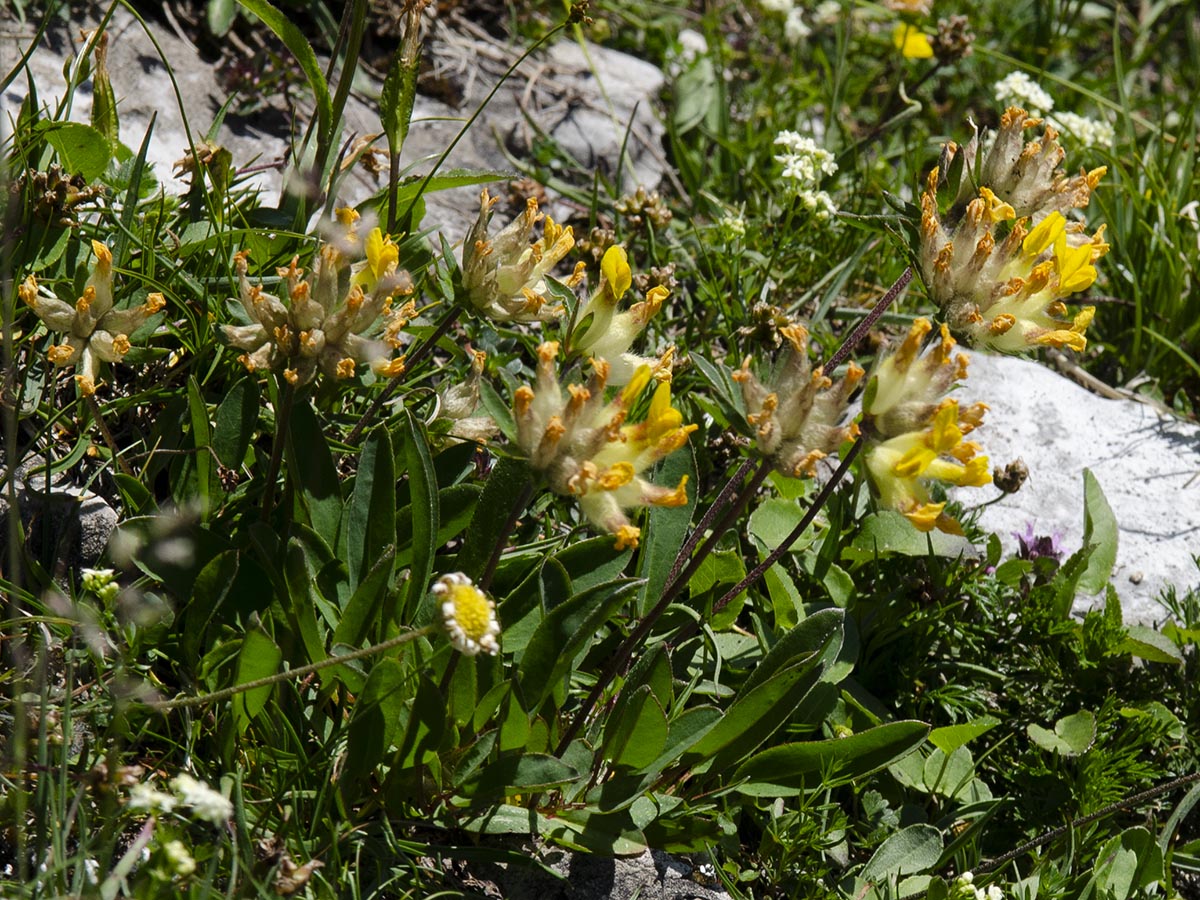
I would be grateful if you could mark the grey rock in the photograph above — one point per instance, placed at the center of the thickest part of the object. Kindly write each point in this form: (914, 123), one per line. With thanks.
(65, 526)
(588, 98)
(654, 875)
(1147, 463)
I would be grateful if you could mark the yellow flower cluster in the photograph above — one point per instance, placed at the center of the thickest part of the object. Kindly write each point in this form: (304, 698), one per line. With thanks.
(328, 314)
(796, 413)
(605, 333)
(505, 276)
(1001, 261)
(94, 331)
(915, 434)
(584, 446)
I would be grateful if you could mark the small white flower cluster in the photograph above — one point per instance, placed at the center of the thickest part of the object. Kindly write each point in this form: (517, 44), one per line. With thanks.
(204, 802)
(732, 228)
(1018, 89)
(1088, 132)
(964, 889)
(803, 165)
(795, 29)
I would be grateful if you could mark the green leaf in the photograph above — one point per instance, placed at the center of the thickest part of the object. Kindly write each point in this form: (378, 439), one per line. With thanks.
(1100, 532)
(1153, 646)
(636, 737)
(422, 486)
(786, 602)
(369, 518)
(1072, 735)
(716, 574)
(521, 774)
(313, 473)
(81, 148)
(426, 723)
(593, 561)
(566, 631)
(952, 737)
(953, 775)
(784, 769)
(697, 95)
(820, 633)
(1128, 862)
(398, 93)
(887, 532)
(236, 417)
(300, 48)
(375, 721)
(514, 723)
(774, 520)
(363, 608)
(505, 486)
(104, 100)
(666, 527)
(911, 850)
(219, 15)
(258, 658)
(201, 440)
(302, 605)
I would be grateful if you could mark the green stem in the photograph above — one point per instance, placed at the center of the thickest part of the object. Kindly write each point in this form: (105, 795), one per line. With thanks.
(282, 420)
(444, 325)
(290, 674)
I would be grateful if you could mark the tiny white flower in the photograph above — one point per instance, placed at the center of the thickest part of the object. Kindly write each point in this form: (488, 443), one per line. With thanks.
(1018, 89)
(468, 614)
(994, 892)
(1088, 132)
(795, 29)
(144, 797)
(732, 227)
(205, 803)
(783, 7)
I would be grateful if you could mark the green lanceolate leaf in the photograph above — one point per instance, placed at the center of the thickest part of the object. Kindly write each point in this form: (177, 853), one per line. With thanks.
(375, 721)
(369, 518)
(312, 469)
(519, 774)
(505, 486)
(667, 527)
(952, 737)
(104, 99)
(235, 421)
(914, 849)
(258, 658)
(785, 769)
(426, 515)
(1099, 532)
(81, 149)
(566, 631)
(637, 736)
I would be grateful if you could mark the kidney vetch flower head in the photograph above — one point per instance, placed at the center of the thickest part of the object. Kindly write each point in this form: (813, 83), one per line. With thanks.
(605, 333)
(584, 447)
(468, 615)
(94, 331)
(1002, 259)
(328, 315)
(505, 276)
(796, 413)
(915, 434)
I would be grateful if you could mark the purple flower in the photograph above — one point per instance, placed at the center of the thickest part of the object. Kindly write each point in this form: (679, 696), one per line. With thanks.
(1034, 546)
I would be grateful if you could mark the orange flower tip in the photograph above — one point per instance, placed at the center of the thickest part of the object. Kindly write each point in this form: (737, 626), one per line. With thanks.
(103, 255)
(391, 368)
(346, 215)
(246, 361)
(1094, 176)
(1002, 324)
(627, 537)
(547, 351)
(291, 375)
(87, 386)
(121, 345)
(60, 354)
(154, 303)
